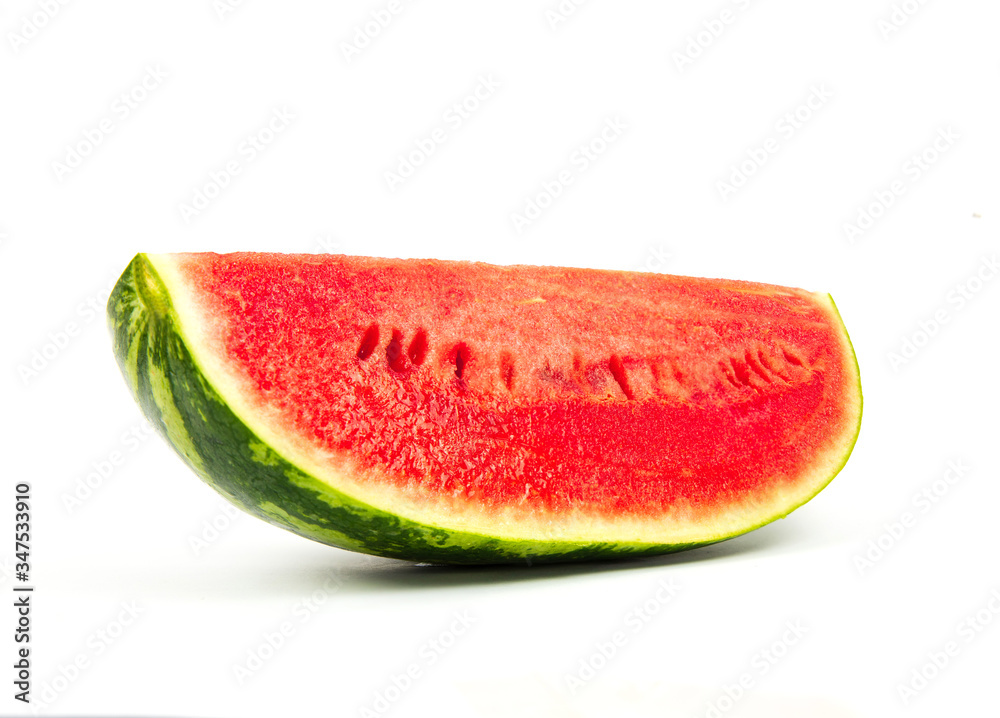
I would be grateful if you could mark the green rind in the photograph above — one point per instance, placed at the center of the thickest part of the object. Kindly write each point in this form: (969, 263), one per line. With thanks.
(185, 408)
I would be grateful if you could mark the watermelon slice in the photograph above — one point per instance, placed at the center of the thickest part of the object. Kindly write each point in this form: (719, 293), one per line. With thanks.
(459, 412)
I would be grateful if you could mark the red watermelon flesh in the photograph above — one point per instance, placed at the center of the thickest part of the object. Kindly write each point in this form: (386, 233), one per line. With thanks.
(528, 403)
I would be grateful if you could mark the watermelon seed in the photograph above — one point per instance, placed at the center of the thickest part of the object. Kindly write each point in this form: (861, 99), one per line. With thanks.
(394, 351)
(418, 348)
(460, 352)
(618, 372)
(368, 342)
(507, 369)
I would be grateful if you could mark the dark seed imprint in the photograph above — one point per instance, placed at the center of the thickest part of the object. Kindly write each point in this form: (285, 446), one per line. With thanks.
(727, 371)
(654, 367)
(618, 372)
(394, 352)
(460, 355)
(507, 369)
(757, 368)
(792, 359)
(741, 371)
(769, 365)
(418, 348)
(368, 342)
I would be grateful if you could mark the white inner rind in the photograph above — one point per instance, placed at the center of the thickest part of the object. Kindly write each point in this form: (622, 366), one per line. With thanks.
(204, 335)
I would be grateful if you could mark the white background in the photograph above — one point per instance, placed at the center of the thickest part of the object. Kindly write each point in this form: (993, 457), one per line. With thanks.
(650, 200)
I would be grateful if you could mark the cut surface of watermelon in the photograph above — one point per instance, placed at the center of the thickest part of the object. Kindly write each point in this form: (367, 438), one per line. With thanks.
(464, 412)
